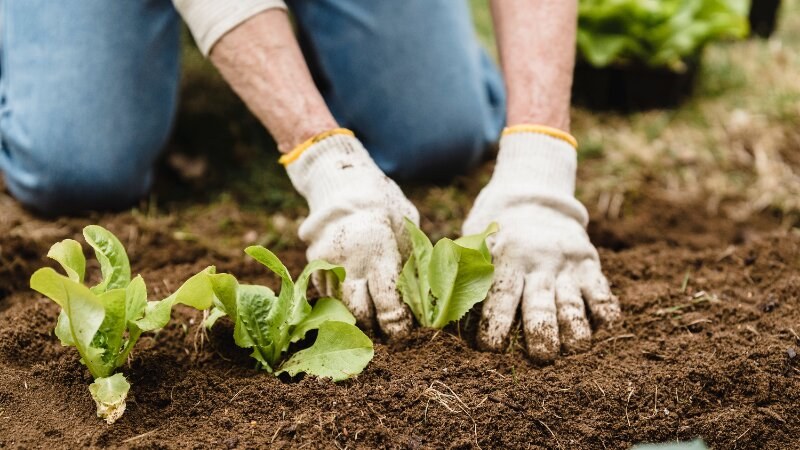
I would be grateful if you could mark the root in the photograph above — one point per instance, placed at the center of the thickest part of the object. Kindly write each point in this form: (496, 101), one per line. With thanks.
(451, 402)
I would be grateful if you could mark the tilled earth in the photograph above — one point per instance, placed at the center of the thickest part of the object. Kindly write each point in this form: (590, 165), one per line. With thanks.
(707, 348)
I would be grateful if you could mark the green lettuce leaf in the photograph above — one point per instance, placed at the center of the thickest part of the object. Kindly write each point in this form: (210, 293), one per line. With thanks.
(413, 281)
(196, 292)
(302, 307)
(460, 277)
(69, 254)
(109, 336)
(478, 241)
(288, 308)
(83, 311)
(114, 264)
(658, 33)
(262, 324)
(441, 283)
(326, 309)
(340, 351)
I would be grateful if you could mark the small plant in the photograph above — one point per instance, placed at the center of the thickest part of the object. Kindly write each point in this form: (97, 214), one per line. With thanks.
(441, 283)
(658, 33)
(269, 323)
(104, 321)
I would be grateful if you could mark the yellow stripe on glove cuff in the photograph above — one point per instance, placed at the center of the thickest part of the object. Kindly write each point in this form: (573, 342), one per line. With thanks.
(293, 155)
(542, 129)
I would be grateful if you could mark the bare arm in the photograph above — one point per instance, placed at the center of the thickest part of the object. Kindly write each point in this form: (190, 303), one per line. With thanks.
(536, 39)
(262, 62)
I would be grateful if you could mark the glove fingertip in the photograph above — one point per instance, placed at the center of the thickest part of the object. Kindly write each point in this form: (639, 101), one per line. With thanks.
(396, 324)
(355, 296)
(606, 313)
(493, 333)
(543, 343)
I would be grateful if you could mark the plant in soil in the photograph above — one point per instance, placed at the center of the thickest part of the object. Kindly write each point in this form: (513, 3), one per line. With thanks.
(270, 324)
(662, 33)
(104, 321)
(442, 282)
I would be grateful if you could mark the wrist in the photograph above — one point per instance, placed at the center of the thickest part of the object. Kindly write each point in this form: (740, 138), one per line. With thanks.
(290, 138)
(263, 63)
(559, 119)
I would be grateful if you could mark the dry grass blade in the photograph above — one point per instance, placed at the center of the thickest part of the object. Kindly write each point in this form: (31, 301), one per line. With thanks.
(140, 436)
(451, 402)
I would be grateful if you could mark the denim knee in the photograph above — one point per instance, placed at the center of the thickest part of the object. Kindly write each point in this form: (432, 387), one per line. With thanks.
(87, 97)
(81, 172)
(62, 184)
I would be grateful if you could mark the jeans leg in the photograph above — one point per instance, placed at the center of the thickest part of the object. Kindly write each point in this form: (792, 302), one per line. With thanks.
(88, 93)
(409, 77)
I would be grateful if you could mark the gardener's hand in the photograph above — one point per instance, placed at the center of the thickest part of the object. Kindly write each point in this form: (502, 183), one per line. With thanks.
(542, 253)
(356, 220)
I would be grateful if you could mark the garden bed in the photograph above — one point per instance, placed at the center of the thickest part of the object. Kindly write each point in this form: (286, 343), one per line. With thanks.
(711, 321)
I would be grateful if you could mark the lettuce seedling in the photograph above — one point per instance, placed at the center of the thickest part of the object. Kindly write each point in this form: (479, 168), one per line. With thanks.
(442, 283)
(104, 321)
(269, 323)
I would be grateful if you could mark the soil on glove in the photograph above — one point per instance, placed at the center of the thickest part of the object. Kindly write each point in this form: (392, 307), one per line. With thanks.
(707, 348)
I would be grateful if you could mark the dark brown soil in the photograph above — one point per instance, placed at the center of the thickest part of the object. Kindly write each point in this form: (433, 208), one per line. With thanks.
(707, 348)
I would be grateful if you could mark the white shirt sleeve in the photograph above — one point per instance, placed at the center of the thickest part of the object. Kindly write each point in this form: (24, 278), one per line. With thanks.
(209, 20)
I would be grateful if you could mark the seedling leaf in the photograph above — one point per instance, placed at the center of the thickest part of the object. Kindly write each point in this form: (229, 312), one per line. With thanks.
(301, 287)
(135, 299)
(413, 283)
(341, 351)
(326, 309)
(69, 254)
(262, 324)
(460, 277)
(114, 264)
(83, 309)
(478, 241)
(196, 292)
(441, 283)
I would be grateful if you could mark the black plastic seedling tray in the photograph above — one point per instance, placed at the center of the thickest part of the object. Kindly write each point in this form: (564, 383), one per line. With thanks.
(632, 87)
(764, 17)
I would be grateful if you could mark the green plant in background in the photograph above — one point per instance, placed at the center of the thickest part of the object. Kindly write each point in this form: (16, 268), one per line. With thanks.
(441, 283)
(657, 33)
(269, 323)
(104, 321)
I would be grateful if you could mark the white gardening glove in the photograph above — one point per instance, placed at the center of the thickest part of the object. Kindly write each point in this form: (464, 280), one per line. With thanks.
(542, 254)
(355, 220)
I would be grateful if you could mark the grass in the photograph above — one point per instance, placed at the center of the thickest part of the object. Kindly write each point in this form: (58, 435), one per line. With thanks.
(735, 143)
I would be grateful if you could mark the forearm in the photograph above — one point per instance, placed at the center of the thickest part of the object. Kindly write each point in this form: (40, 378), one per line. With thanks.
(536, 39)
(262, 62)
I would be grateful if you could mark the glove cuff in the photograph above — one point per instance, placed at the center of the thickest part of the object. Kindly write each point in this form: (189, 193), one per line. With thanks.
(542, 129)
(534, 168)
(329, 166)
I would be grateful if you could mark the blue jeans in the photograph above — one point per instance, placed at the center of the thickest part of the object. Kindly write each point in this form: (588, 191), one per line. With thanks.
(88, 92)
